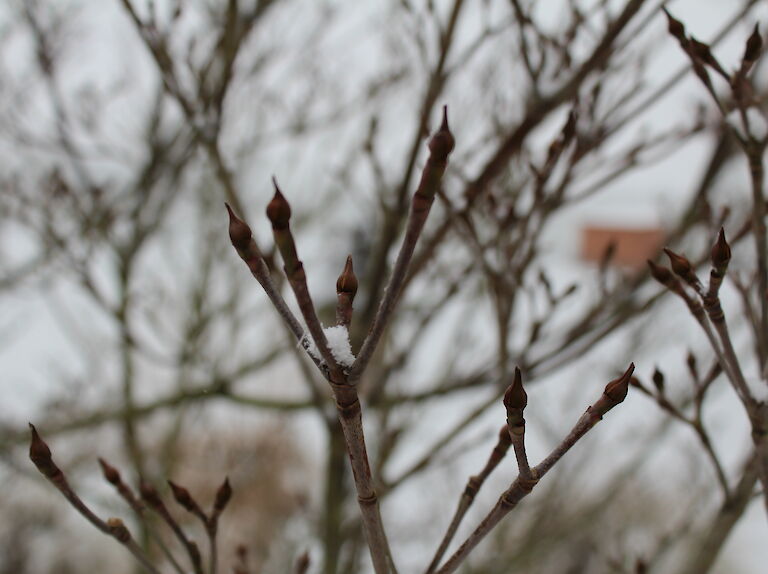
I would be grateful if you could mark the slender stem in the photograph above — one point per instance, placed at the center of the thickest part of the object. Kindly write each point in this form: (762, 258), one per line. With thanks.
(350, 416)
(709, 449)
(613, 395)
(757, 173)
(40, 454)
(153, 500)
(470, 492)
(113, 476)
(213, 556)
(440, 147)
(708, 547)
(335, 496)
(376, 276)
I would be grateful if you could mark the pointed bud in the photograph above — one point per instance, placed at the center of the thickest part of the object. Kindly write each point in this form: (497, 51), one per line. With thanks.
(150, 495)
(183, 497)
(721, 252)
(278, 209)
(680, 265)
(347, 281)
(753, 47)
(41, 456)
(110, 472)
(442, 142)
(118, 530)
(700, 49)
(658, 380)
(675, 26)
(704, 53)
(617, 389)
(661, 274)
(223, 495)
(515, 397)
(239, 232)
(515, 400)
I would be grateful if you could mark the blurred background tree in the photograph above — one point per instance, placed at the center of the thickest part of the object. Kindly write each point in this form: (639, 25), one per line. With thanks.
(131, 331)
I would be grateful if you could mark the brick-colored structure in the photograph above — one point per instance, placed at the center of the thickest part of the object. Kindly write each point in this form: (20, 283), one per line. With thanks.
(633, 245)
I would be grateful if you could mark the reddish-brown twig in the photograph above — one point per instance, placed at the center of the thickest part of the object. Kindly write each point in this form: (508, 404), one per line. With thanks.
(152, 499)
(470, 492)
(615, 392)
(41, 456)
(440, 146)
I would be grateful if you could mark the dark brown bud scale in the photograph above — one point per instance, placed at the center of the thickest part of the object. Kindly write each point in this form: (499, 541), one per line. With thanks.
(721, 252)
(150, 495)
(515, 397)
(617, 389)
(347, 281)
(442, 143)
(661, 273)
(680, 265)
(658, 380)
(701, 49)
(675, 27)
(223, 496)
(182, 496)
(278, 209)
(118, 530)
(754, 46)
(110, 472)
(40, 455)
(239, 232)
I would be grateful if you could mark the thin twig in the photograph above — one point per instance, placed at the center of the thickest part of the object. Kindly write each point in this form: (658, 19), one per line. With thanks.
(41, 456)
(614, 393)
(474, 484)
(440, 147)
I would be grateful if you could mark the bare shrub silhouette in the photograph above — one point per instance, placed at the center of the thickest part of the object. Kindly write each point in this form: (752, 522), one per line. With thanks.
(439, 243)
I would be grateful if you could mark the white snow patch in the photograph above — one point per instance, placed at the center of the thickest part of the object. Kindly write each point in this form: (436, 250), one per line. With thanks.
(338, 343)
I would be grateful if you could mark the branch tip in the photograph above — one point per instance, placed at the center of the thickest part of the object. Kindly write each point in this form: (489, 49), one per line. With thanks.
(40, 455)
(278, 209)
(515, 397)
(680, 264)
(347, 281)
(223, 496)
(675, 26)
(118, 529)
(617, 389)
(182, 496)
(239, 232)
(150, 495)
(110, 472)
(661, 274)
(754, 46)
(721, 252)
(442, 142)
